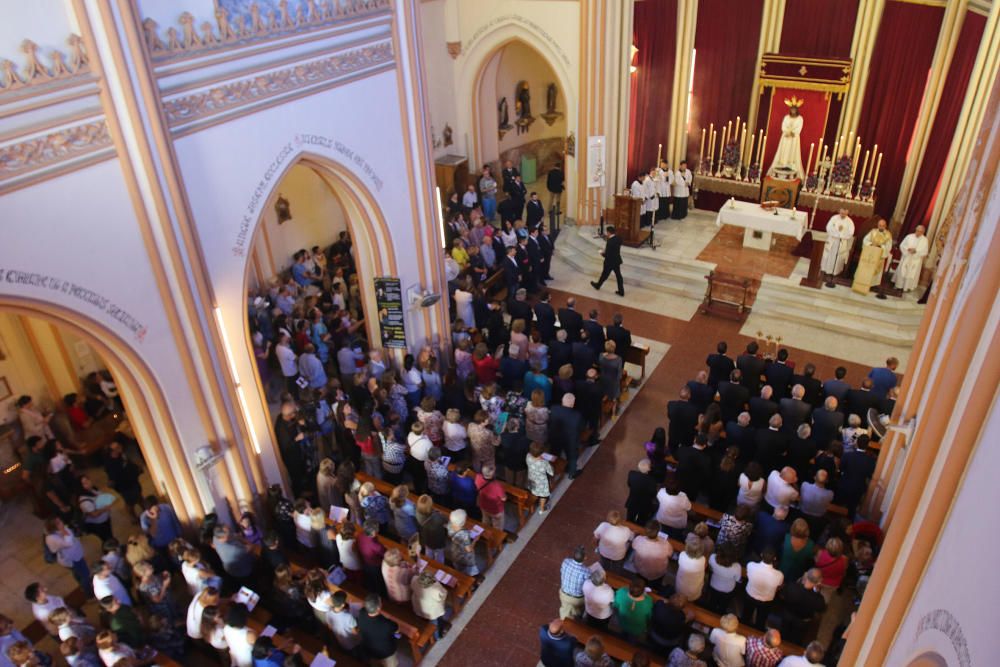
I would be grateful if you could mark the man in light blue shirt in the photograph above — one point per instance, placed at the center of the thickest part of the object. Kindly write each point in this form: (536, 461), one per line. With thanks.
(311, 368)
(883, 379)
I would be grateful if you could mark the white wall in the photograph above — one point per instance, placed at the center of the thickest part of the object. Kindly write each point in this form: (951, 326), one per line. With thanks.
(317, 218)
(48, 23)
(439, 68)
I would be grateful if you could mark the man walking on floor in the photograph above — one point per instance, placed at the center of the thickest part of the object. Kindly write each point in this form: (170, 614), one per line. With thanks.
(612, 261)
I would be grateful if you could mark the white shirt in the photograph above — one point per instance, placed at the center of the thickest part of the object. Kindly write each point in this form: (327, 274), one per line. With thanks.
(240, 648)
(194, 612)
(637, 190)
(420, 445)
(469, 199)
(454, 436)
(664, 182)
(42, 611)
(724, 579)
(673, 510)
(612, 540)
(303, 529)
(798, 661)
(763, 581)
(750, 493)
(597, 600)
(349, 558)
(286, 357)
(67, 548)
(343, 624)
(690, 577)
(111, 586)
(651, 558)
(730, 647)
(412, 380)
(682, 183)
(815, 499)
(779, 492)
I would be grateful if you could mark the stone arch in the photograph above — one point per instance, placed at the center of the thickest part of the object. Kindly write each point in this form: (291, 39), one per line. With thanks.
(144, 398)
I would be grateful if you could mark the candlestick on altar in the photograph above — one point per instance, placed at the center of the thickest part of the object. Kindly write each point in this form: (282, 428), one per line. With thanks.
(864, 167)
(711, 150)
(722, 145)
(701, 147)
(878, 166)
(760, 154)
(750, 155)
(743, 142)
(737, 135)
(810, 160)
(871, 167)
(760, 145)
(836, 145)
(850, 139)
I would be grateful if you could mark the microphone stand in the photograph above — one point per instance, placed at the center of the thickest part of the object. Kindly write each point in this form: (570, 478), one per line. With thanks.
(836, 256)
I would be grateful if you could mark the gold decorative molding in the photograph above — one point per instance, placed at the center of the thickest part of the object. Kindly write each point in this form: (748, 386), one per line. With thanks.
(246, 91)
(52, 148)
(191, 39)
(36, 72)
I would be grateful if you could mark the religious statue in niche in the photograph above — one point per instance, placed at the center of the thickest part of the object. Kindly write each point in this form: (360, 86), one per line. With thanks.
(551, 115)
(522, 106)
(788, 159)
(571, 145)
(283, 209)
(446, 135)
(503, 117)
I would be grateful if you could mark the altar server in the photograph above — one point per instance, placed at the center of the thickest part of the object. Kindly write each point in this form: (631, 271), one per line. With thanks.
(839, 239)
(913, 250)
(681, 190)
(664, 180)
(638, 191)
(649, 194)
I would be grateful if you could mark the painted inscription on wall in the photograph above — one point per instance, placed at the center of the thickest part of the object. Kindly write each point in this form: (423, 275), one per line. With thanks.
(44, 282)
(274, 168)
(516, 18)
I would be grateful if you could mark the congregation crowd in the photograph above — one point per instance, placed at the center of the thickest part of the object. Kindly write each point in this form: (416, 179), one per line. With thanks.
(744, 507)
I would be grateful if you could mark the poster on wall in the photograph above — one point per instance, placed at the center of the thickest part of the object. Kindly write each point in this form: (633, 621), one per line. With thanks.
(389, 298)
(596, 163)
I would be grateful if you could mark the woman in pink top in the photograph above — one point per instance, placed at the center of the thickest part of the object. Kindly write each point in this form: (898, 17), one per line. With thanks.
(833, 564)
(397, 574)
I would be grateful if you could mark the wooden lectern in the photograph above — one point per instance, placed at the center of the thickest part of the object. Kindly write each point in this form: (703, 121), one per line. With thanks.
(625, 218)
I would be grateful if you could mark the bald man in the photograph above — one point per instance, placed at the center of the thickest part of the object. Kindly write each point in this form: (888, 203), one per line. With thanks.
(557, 646)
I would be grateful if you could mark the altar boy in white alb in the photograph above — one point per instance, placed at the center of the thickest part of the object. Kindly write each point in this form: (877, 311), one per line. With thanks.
(638, 191)
(649, 192)
(913, 250)
(682, 190)
(839, 239)
(664, 180)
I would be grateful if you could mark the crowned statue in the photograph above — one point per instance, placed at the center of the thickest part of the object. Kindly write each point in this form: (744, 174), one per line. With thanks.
(789, 155)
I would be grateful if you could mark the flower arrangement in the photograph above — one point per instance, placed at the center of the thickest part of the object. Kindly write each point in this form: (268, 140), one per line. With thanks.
(812, 181)
(842, 170)
(866, 190)
(753, 173)
(731, 155)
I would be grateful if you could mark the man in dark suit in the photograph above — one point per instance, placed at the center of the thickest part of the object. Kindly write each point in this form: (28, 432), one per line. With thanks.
(779, 375)
(813, 387)
(570, 320)
(511, 271)
(545, 318)
(498, 332)
(565, 427)
(583, 356)
(612, 261)
(801, 451)
(771, 443)
(860, 400)
(535, 211)
(616, 332)
(762, 407)
(518, 195)
(740, 434)
(508, 210)
(694, 467)
(752, 367)
(555, 183)
(642, 489)
(701, 393)
(856, 470)
(548, 247)
(524, 264)
(509, 172)
(595, 333)
(683, 417)
(535, 259)
(837, 387)
(733, 396)
(519, 309)
(720, 366)
(794, 410)
(589, 397)
(560, 352)
(827, 422)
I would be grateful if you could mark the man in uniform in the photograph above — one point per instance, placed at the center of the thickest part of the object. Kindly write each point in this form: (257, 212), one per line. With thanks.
(681, 191)
(839, 239)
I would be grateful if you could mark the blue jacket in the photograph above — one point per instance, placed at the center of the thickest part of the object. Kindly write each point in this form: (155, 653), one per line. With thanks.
(556, 651)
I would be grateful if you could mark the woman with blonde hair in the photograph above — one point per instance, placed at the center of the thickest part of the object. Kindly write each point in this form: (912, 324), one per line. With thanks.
(462, 549)
(432, 419)
(483, 441)
(397, 574)
(611, 366)
(455, 435)
(690, 578)
(832, 562)
(797, 553)
(518, 339)
(197, 573)
(326, 494)
(138, 549)
(154, 588)
(536, 418)
(404, 513)
(612, 538)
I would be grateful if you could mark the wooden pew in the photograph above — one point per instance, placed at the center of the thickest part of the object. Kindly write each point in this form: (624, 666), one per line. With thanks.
(310, 645)
(494, 286)
(705, 616)
(614, 646)
(636, 354)
(524, 501)
(493, 538)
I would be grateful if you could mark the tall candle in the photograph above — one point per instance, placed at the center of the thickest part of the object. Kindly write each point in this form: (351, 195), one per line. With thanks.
(878, 166)
(659, 151)
(737, 135)
(750, 152)
(836, 145)
(819, 154)
(843, 147)
(871, 167)
(760, 156)
(850, 140)
(711, 149)
(810, 160)
(722, 144)
(701, 148)
(743, 143)
(729, 132)
(760, 145)
(854, 159)
(864, 168)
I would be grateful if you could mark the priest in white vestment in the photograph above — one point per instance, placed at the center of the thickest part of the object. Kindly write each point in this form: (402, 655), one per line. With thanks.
(789, 153)
(839, 240)
(913, 250)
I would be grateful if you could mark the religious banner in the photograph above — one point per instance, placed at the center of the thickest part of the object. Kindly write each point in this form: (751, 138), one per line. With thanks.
(389, 300)
(596, 162)
(782, 190)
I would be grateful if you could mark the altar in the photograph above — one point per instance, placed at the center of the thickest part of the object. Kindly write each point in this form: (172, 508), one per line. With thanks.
(760, 224)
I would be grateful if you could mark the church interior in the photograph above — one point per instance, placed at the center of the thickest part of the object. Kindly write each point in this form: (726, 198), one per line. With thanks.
(571, 333)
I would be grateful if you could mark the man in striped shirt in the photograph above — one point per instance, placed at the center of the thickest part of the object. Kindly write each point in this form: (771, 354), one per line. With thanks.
(764, 651)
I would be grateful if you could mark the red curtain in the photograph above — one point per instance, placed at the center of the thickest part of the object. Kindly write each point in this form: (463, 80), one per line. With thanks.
(653, 31)
(818, 28)
(897, 77)
(945, 121)
(725, 45)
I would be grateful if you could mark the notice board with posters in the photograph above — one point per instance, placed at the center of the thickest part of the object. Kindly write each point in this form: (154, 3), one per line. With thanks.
(389, 298)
